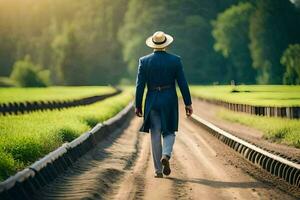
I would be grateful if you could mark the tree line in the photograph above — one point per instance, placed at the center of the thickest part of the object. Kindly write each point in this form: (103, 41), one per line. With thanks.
(79, 42)
(75, 40)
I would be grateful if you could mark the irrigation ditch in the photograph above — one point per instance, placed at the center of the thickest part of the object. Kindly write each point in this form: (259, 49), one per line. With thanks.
(280, 167)
(27, 182)
(292, 112)
(25, 107)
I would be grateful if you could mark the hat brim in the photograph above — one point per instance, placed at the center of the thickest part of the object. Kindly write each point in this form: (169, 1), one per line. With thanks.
(151, 44)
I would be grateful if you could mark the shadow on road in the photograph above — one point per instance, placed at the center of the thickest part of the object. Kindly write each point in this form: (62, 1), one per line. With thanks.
(219, 184)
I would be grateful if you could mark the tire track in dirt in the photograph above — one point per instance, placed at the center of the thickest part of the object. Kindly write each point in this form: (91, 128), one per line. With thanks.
(180, 189)
(133, 184)
(95, 174)
(121, 167)
(141, 184)
(198, 171)
(208, 172)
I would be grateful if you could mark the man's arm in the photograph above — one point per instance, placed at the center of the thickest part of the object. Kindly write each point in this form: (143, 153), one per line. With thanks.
(184, 89)
(140, 86)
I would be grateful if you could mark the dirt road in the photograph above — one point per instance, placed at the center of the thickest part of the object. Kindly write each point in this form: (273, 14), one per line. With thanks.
(121, 168)
(209, 112)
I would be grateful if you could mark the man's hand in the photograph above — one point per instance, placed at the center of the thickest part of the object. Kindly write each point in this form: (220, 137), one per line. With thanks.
(138, 112)
(188, 110)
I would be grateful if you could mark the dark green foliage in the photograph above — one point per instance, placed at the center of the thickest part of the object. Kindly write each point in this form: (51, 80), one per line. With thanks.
(24, 149)
(67, 134)
(91, 121)
(281, 133)
(274, 25)
(76, 40)
(26, 74)
(188, 22)
(231, 34)
(68, 53)
(291, 60)
(99, 41)
(7, 165)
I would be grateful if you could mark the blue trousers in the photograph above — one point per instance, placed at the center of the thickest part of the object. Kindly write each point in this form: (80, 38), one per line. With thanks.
(156, 134)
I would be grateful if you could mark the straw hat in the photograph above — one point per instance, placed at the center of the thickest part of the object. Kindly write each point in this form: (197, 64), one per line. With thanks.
(159, 40)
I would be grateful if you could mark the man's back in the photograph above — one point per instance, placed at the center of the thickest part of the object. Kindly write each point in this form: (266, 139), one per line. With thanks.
(160, 68)
(159, 71)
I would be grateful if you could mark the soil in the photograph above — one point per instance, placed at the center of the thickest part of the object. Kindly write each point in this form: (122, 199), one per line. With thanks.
(209, 112)
(121, 167)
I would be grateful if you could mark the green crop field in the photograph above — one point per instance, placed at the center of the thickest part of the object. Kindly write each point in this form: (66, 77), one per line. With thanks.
(51, 93)
(258, 95)
(279, 130)
(26, 138)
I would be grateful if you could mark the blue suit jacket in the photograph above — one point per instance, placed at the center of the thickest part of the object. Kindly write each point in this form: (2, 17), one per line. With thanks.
(160, 69)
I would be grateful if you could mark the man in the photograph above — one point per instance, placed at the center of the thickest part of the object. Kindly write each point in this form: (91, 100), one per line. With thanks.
(159, 71)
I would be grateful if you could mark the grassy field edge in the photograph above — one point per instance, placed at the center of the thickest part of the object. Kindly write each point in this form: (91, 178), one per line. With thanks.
(24, 139)
(254, 95)
(54, 93)
(279, 130)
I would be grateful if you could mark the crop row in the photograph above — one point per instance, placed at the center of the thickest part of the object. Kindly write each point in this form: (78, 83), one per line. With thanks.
(280, 130)
(270, 111)
(254, 95)
(25, 138)
(56, 93)
(23, 107)
(27, 183)
(271, 101)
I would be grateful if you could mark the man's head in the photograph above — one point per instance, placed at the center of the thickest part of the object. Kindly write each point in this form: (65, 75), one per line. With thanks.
(159, 41)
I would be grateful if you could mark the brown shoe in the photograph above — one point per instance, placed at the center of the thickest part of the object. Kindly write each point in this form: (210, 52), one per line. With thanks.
(159, 175)
(166, 165)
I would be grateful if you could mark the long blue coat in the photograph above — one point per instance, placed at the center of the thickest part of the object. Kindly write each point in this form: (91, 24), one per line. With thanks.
(160, 69)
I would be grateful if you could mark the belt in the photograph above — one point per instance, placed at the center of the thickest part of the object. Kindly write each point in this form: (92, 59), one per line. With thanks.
(160, 88)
